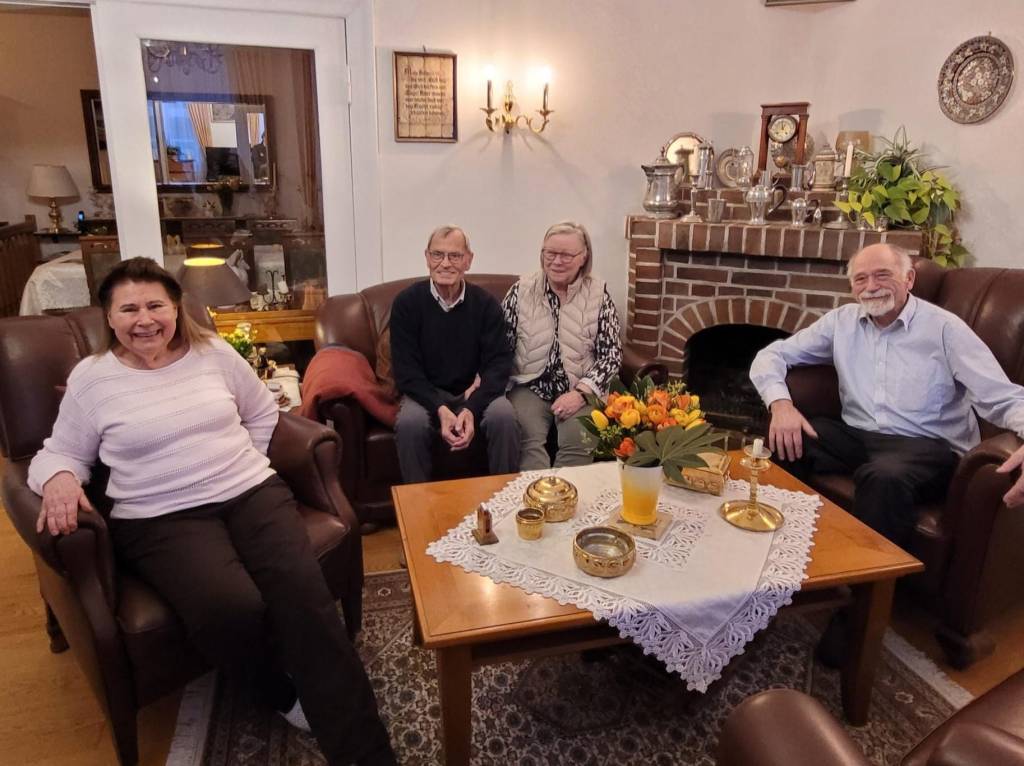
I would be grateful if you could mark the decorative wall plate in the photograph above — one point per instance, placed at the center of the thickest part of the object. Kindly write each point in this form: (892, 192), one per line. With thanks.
(683, 146)
(726, 169)
(975, 79)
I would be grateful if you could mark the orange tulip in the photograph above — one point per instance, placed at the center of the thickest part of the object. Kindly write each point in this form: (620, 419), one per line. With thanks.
(659, 397)
(667, 423)
(683, 401)
(626, 448)
(656, 413)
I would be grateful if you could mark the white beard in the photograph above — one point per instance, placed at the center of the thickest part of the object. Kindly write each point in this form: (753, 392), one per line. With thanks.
(878, 303)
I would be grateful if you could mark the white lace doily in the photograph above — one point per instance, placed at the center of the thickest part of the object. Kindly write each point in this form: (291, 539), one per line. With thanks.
(693, 599)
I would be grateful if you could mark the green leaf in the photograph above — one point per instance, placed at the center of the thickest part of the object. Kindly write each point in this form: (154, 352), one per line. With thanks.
(920, 215)
(869, 217)
(897, 212)
(957, 250)
(884, 170)
(855, 205)
(894, 172)
(949, 197)
(844, 206)
(941, 228)
(879, 190)
(593, 402)
(618, 386)
(589, 426)
(673, 472)
(941, 260)
(927, 175)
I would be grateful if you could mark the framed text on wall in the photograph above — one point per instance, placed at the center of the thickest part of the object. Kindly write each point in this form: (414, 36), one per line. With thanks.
(425, 97)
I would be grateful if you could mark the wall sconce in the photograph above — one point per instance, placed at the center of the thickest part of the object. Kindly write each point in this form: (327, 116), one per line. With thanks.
(506, 119)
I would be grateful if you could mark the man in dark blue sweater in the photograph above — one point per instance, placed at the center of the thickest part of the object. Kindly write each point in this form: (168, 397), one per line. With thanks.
(451, 362)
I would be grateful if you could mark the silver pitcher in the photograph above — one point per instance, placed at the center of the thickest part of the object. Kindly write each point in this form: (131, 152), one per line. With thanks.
(761, 196)
(664, 194)
(800, 207)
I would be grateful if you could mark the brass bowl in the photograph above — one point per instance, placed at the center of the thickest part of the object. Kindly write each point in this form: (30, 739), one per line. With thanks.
(530, 523)
(554, 496)
(604, 551)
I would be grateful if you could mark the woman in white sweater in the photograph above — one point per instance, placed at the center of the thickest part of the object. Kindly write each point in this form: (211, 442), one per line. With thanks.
(183, 424)
(564, 330)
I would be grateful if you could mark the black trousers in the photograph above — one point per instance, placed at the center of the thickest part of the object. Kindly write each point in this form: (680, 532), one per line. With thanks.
(890, 473)
(243, 578)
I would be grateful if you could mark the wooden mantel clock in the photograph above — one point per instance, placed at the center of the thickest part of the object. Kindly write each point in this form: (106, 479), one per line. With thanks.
(783, 123)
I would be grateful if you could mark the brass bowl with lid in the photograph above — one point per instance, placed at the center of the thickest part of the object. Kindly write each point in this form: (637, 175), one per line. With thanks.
(604, 551)
(556, 497)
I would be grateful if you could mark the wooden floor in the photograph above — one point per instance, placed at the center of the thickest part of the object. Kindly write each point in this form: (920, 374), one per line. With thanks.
(48, 714)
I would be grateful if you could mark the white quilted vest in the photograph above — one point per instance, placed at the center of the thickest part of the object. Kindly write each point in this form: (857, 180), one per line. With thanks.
(577, 327)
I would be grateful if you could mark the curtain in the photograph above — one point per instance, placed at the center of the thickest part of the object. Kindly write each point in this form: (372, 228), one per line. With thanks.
(304, 91)
(201, 115)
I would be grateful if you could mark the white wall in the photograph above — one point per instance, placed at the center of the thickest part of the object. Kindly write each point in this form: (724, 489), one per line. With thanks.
(46, 58)
(626, 77)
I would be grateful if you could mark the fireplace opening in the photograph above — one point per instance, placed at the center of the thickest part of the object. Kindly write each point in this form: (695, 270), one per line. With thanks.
(718, 369)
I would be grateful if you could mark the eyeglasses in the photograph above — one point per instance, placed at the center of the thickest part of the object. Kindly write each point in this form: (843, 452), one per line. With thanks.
(436, 256)
(554, 255)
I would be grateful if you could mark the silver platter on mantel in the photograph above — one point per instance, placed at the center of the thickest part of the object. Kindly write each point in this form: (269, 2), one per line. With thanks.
(975, 79)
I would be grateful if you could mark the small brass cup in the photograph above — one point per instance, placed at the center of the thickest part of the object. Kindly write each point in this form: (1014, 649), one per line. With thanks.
(530, 523)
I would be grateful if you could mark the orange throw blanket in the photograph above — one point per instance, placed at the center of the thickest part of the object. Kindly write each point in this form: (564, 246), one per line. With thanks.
(336, 372)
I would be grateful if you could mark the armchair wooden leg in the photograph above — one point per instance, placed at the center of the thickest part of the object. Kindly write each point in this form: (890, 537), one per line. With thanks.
(58, 643)
(961, 650)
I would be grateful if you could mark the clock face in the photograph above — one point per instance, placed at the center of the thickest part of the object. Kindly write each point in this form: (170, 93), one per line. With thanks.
(782, 129)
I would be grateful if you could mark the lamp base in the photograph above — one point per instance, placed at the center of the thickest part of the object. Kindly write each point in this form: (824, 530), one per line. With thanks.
(56, 218)
(754, 517)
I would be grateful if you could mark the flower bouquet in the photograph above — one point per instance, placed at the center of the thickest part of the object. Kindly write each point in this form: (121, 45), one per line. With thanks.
(652, 430)
(242, 339)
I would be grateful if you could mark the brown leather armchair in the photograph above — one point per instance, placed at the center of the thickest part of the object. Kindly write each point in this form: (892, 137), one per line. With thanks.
(969, 542)
(129, 644)
(782, 727)
(369, 463)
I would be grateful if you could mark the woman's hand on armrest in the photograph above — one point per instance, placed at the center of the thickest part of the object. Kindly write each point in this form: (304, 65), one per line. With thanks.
(62, 497)
(1016, 494)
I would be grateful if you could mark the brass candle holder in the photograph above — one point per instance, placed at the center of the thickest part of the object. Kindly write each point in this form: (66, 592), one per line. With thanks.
(752, 514)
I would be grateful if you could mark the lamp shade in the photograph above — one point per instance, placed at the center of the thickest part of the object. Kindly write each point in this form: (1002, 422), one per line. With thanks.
(51, 181)
(211, 282)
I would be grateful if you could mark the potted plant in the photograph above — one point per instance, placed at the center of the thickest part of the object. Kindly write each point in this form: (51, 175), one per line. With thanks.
(897, 183)
(652, 430)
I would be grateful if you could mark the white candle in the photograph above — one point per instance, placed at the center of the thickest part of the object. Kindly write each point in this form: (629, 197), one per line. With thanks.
(758, 447)
(545, 107)
(488, 94)
(849, 159)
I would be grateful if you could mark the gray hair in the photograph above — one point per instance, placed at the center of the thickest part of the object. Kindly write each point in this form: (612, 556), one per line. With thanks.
(444, 231)
(571, 227)
(903, 257)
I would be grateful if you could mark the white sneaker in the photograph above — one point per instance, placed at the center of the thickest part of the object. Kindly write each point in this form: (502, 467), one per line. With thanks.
(296, 717)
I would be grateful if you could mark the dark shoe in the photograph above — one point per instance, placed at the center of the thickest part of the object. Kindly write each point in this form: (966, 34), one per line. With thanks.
(831, 649)
(369, 527)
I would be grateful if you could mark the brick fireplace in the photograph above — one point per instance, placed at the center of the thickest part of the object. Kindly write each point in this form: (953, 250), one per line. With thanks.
(686, 278)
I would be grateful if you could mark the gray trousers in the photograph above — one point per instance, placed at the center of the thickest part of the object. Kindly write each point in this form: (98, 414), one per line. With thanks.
(417, 430)
(535, 419)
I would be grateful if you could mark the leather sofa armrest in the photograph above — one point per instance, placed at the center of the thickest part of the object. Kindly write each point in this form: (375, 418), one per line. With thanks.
(637, 364)
(306, 454)
(349, 420)
(782, 727)
(85, 553)
(973, 502)
(968, 743)
(814, 390)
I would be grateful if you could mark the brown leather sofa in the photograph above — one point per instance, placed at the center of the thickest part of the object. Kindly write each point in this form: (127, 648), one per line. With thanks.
(970, 542)
(783, 727)
(369, 463)
(129, 644)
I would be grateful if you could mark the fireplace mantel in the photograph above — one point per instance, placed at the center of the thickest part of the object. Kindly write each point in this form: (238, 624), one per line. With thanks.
(686, 277)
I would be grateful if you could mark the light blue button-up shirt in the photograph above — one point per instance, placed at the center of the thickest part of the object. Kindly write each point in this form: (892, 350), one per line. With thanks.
(920, 376)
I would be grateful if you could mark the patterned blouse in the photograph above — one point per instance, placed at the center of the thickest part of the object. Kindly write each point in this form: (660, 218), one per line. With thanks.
(553, 382)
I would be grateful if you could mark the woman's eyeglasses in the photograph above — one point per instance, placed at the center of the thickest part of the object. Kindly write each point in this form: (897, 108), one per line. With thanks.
(554, 255)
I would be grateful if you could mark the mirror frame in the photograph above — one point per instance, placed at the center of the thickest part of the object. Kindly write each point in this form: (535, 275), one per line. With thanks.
(92, 140)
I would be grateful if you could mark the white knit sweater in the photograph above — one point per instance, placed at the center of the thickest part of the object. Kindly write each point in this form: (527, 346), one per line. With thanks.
(191, 433)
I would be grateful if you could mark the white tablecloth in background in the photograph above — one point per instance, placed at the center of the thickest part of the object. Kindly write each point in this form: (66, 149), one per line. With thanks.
(56, 284)
(694, 598)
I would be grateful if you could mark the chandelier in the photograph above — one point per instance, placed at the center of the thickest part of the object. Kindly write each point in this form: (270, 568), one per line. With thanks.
(184, 56)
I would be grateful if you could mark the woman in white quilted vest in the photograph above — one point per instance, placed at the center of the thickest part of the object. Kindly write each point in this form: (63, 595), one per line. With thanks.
(564, 328)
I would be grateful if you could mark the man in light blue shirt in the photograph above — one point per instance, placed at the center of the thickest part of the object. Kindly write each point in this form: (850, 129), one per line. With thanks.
(911, 378)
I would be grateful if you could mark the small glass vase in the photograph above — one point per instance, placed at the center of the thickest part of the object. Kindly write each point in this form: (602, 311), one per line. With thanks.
(641, 486)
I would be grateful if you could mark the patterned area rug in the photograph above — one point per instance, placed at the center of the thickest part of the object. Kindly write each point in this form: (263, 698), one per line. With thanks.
(615, 708)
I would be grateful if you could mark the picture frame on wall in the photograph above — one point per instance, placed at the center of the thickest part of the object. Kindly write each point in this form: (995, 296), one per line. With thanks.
(425, 88)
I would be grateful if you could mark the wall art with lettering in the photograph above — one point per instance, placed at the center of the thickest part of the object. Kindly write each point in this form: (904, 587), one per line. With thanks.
(425, 97)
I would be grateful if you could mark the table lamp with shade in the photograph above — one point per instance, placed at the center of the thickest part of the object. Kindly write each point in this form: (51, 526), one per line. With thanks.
(210, 281)
(52, 182)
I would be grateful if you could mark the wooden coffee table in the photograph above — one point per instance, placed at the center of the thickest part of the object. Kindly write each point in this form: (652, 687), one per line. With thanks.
(469, 620)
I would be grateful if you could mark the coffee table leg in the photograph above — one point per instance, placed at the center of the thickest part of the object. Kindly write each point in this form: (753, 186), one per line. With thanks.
(869, 617)
(455, 682)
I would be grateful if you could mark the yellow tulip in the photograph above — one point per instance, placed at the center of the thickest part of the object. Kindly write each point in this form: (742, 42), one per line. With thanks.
(694, 401)
(599, 419)
(641, 408)
(629, 419)
(690, 417)
(677, 414)
(695, 423)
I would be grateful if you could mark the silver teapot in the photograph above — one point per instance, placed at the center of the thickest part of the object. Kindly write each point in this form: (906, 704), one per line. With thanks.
(760, 196)
(664, 194)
